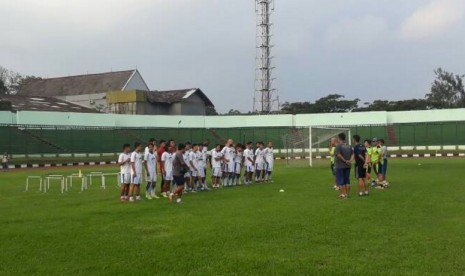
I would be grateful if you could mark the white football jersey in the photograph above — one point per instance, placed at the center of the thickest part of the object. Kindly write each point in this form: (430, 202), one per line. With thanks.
(151, 160)
(228, 154)
(259, 156)
(269, 155)
(126, 168)
(215, 154)
(248, 153)
(203, 157)
(168, 158)
(238, 157)
(136, 158)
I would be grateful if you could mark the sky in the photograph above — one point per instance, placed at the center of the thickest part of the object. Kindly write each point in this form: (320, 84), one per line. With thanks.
(383, 49)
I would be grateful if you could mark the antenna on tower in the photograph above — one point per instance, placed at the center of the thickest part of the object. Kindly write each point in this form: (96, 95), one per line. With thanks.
(265, 96)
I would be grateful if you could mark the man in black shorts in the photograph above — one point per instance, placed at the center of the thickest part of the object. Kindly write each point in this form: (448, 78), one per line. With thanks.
(344, 155)
(179, 170)
(360, 165)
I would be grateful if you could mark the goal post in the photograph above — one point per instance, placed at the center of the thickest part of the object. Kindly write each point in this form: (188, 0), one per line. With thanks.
(304, 143)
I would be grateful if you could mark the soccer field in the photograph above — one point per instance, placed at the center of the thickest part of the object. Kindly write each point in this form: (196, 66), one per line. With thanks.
(415, 227)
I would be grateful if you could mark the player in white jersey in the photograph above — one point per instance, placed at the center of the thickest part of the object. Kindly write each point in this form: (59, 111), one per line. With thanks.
(269, 161)
(216, 157)
(124, 162)
(136, 172)
(202, 159)
(167, 169)
(151, 141)
(228, 161)
(259, 163)
(195, 168)
(249, 163)
(150, 163)
(238, 162)
(188, 175)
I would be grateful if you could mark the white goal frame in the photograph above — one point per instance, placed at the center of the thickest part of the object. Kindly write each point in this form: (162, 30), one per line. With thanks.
(310, 140)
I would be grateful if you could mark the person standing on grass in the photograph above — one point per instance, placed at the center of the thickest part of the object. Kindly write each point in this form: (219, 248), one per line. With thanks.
(216, 159)
(238, 162)
(343, 158)
(332, 148)
(150, 163)
(160, 150)
(360, 165)
(369, 153)
(202, 159)
(259, 163)
(376, 152)
(384, 163)
(167, 170)
(180, 168)
(136, 172)
(5, 160)
(269, 161)
(124, 163)
(249, 163)
(228, 160)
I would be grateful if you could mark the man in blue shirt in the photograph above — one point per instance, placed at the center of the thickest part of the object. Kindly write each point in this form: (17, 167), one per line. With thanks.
(360, 153)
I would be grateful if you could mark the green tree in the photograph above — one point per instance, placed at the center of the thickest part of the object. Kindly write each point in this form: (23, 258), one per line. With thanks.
(447, 91)
(329, 104)
(3, 88)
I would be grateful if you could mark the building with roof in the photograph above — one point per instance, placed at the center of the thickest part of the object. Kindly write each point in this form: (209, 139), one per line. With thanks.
(174, 102)
(122, 92)
(20, 103)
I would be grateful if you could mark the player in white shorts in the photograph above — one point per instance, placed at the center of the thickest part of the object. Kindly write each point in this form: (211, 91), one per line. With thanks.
(150, 162)
(199, 164)
(202, 160)
(124, 162)
(238, 162)
(259, 163)
(188, 175)
(269, 161)
(228, 159)
(248, 163)
(167, 169)
(216, 157)
(136, 172)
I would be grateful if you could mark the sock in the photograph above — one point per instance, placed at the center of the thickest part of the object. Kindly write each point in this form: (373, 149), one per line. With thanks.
(147, 188)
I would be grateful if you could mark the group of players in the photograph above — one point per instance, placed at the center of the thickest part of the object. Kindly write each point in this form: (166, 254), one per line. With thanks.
(183, 167)
(369, 157)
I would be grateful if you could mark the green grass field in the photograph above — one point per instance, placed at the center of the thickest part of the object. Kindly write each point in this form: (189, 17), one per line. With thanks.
(414, 228)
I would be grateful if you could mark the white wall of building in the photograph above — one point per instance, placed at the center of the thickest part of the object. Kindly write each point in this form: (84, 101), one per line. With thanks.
(303, 120)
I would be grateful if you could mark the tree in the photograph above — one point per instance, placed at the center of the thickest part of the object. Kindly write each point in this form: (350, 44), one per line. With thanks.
(3, 88)
(210, 111)
(447, 91)
(234, 112)
(404, 105)
(329, 104)
(11, 82)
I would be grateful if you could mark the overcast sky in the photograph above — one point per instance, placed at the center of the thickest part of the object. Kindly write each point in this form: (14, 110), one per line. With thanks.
(369, 49)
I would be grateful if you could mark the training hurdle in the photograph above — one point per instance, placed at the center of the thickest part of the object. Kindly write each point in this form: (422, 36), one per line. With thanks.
(31, 177)
(62, 180)
(103, 178)
(79, 176)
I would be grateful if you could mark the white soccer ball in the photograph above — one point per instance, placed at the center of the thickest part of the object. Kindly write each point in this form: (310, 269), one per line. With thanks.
(281, 191)
(419, 164)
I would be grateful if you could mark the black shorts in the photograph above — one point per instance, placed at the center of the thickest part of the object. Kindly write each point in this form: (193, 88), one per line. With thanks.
(331, 166)
(360, 171)
(179, 180)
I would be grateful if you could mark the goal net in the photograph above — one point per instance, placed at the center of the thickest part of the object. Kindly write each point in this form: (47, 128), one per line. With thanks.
(309, 143)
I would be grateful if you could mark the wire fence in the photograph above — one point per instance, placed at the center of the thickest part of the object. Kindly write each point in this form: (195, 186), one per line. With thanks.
(28, 139)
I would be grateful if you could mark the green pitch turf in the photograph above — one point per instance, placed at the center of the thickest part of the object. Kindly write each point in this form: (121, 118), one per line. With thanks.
(416, 227)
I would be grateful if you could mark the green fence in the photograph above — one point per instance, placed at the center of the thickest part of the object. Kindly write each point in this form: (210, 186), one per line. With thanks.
(16, 139)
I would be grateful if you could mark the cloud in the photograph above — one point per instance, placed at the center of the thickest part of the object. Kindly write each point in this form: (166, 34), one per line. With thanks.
(433, 19)
(360, 33)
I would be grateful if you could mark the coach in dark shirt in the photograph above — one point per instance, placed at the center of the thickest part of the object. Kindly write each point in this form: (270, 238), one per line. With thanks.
(179, 170)
(343, 158)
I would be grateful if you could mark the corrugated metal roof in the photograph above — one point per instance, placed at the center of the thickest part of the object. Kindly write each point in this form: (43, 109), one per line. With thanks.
(77, 85)
(176, 96)
(37, 103)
